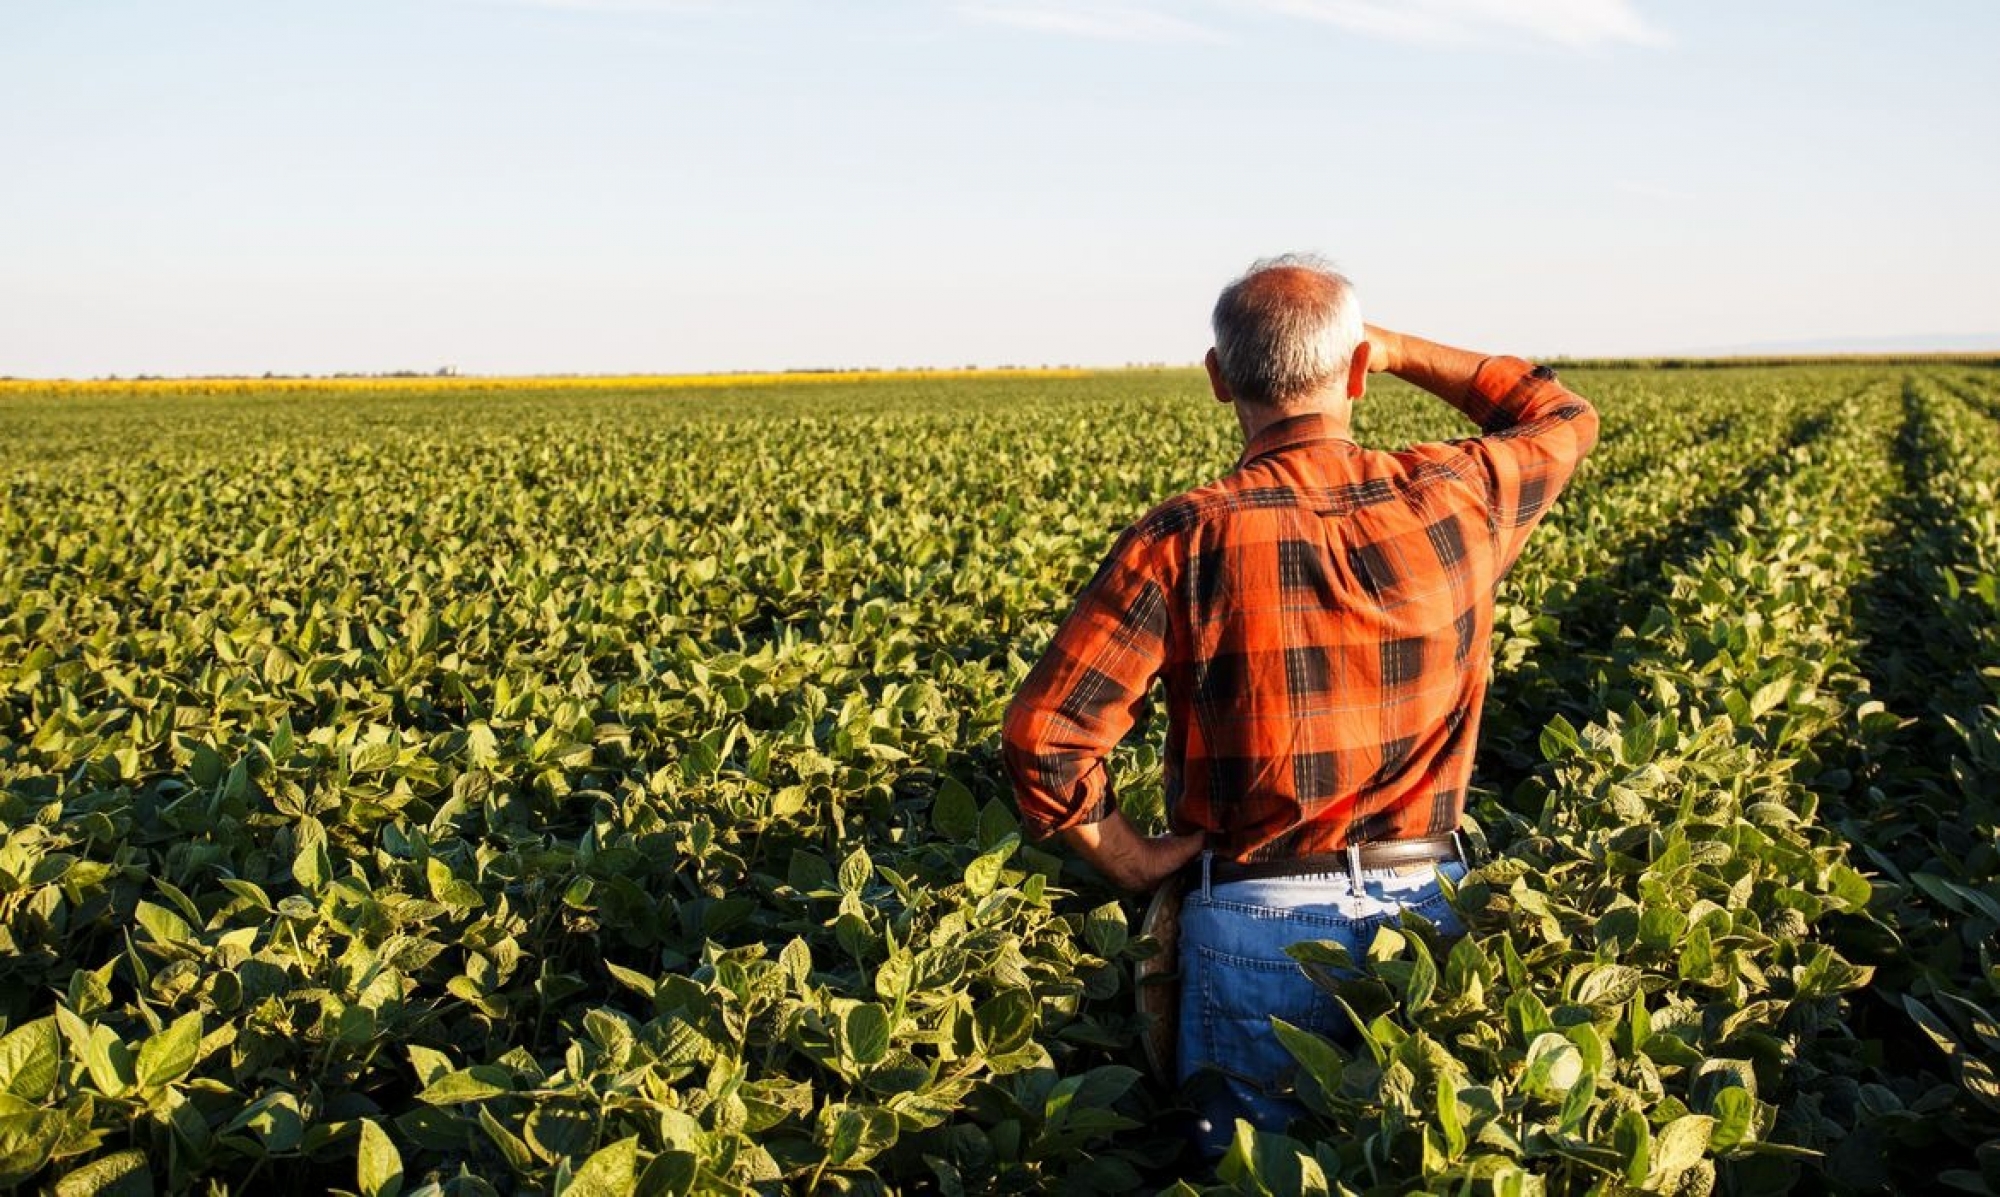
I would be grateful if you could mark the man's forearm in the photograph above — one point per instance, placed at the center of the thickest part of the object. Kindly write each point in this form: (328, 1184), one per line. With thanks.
(1129, 860)
(1443, 370)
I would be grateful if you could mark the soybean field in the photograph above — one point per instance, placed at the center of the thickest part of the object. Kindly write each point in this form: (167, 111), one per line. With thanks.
(594, 788)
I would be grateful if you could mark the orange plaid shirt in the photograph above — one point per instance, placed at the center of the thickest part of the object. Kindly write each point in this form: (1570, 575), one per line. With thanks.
(1320, 618)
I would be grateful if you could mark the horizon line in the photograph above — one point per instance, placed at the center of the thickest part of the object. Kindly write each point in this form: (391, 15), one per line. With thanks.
(444, 377)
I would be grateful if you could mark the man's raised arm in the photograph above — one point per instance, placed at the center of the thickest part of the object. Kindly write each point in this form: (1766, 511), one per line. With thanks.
(1537, 430)
(1440, 369)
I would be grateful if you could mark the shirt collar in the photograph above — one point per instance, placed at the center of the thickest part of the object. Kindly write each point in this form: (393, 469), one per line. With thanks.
(1291, 433)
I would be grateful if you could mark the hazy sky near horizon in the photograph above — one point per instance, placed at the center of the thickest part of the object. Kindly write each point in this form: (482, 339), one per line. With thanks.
(232, 186)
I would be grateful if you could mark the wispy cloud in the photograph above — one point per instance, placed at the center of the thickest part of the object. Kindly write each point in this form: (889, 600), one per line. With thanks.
(1579, 24)
(1114, 22)
(1575, 23)
(610, 6)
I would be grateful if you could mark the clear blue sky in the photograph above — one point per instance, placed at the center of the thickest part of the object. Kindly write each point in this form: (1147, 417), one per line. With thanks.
(638, 185)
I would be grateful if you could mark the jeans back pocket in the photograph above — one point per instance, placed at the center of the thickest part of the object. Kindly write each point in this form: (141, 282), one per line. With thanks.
(1235, 999)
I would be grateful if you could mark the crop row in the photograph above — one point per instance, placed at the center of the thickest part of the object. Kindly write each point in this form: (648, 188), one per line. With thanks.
(1601, 558)
(1924, 807)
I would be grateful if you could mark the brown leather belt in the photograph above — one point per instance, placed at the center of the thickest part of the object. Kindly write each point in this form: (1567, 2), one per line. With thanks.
(1383, 854)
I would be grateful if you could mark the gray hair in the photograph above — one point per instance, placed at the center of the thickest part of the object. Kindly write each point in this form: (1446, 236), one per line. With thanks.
(1286, 330)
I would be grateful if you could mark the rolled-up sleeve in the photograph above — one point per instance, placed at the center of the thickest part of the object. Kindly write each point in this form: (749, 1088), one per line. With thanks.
(1538, 432)
(1085, 693)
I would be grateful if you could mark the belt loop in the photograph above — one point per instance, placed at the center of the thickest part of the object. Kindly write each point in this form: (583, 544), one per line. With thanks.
(1458, 846)
(1207, 855)
(1354, 871)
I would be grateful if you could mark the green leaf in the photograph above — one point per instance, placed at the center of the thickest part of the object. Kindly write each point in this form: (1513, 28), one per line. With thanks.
(312, 868)
(1577, 1102)
(1450, 1118)
(1527, 1015)
(555, 1132)
(171, 1054)
(30, 1056)
(982, 876)
(1979, 1079)
(1932, 1025)
(511, 1148)
(1559, 739)
(1608, 985)
(1270, 1165)
(26, 1141)
(796, 959)
(954, 812)
(633, 980)
(1104, 1085)
(610, 1172)
(249, 892)
(809, 873)
(1983, 1023)
(1850, 887)
(1680, 1145)
(855, 1134)
(104, 1054)
(864, 1033)
(477, 1083)
(895, 977)
(1318, 1058)
(853, 934)
(275, 1119)
(1005, 1022)
(1636, 744)
(1769, 696)
(371, 758)
(1554, 1066)
(1513, 968)
(1661, 927)
(449, 889)
(161, 925)
(937, 969)
(1633, 1141)
(428, 1063)
(612, 1033)
(855, 871)
(1423, 978)
(1697, 961)
(1105, 930)
(1735, 1113)
(1636, 1027)
(378, 1165)
(120, 1174)
(1589, 1044)
(482, 747)
(997, 823)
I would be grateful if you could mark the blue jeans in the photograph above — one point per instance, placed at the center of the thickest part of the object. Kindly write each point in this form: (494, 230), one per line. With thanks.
(1235, 977)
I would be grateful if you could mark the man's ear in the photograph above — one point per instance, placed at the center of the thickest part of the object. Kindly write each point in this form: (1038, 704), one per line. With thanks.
(1215, 382)
(1357, 370)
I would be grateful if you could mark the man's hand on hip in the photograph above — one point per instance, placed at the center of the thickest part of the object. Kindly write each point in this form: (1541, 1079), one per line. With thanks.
(1129, 860)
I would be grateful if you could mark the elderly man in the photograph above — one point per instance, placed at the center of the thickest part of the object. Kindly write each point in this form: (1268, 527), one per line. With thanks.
(1321, 619)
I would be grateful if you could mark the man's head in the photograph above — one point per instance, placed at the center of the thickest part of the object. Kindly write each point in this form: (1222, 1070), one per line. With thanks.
(1288, 338)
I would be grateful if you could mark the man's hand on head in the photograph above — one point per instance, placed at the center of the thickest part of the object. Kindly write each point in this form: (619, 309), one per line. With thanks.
(1127, 859)
(1385, 349)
